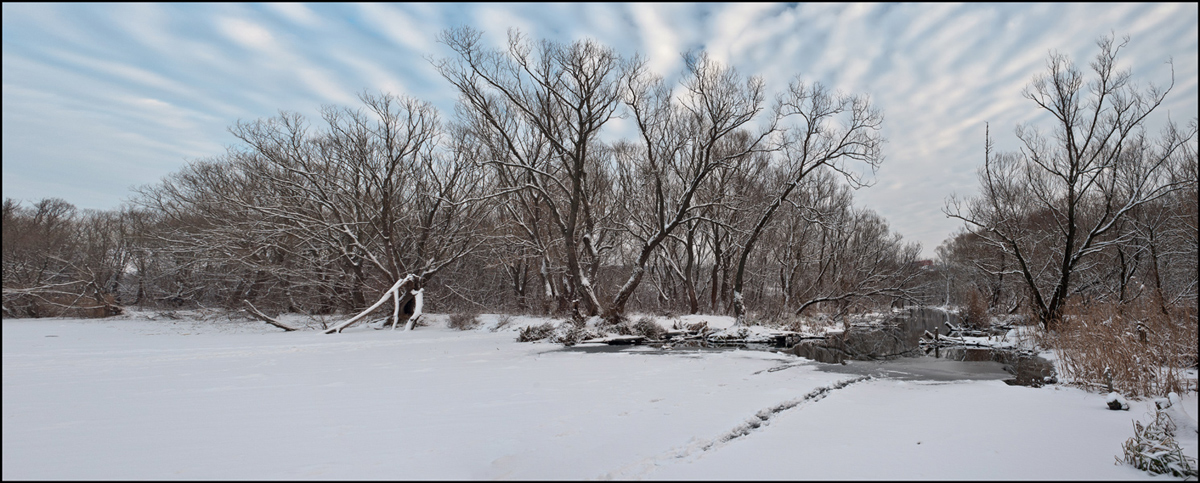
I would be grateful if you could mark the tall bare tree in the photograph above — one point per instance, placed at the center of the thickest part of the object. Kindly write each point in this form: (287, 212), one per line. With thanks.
(540, 107)
(823, 129)
(682, 142)
(377, 196)
(1060, 200)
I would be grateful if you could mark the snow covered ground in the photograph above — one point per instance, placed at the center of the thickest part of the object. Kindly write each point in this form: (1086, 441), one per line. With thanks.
(130, 398)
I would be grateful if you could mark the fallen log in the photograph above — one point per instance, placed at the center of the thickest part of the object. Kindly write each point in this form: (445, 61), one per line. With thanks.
(403, 294)
(951, 343)
(617, 340)
(250, 309)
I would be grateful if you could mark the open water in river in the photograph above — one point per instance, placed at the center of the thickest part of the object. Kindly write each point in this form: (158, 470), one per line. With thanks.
(923, 368)
(882, 344)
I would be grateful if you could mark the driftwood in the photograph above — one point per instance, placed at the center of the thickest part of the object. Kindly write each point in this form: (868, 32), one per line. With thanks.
(250, 309)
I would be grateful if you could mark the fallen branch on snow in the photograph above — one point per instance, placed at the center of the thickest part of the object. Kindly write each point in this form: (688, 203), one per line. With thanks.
(250, 309)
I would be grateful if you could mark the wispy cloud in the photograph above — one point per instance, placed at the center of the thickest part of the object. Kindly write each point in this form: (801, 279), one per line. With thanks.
(98, 97)
(660, 43)
(248, 34)
(399, 27)
(297, 13)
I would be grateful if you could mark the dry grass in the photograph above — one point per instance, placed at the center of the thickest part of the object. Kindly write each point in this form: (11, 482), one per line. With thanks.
(463, 321)
(502, 321)
(1135, 348)
(975, 314)
(1153, 449)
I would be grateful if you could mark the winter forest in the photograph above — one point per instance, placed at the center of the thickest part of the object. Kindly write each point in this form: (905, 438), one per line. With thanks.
(573, 188)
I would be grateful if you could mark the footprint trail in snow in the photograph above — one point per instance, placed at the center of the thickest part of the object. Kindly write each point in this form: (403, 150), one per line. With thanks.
(697, 448)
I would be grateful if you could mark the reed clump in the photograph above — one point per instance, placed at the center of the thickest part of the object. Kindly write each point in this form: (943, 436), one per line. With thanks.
(1138, 348)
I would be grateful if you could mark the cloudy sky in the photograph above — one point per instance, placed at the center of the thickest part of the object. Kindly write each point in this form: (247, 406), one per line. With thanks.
(100, 98)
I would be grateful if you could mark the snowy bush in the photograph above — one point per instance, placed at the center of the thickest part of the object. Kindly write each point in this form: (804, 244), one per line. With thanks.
(535, 332)
(1153, 448)
(464, 321)
(700, 327)
(570, 333)
(619, 326)
(646, 326)
(731, 333)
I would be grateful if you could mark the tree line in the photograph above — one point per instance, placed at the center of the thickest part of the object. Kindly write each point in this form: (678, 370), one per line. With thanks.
(726, 198)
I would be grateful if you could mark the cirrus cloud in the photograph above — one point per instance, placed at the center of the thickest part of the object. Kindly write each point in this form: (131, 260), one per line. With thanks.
(100, 97)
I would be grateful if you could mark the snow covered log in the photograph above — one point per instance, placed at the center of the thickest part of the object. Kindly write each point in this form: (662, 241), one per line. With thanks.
(400, 293)
(419, 298)
(250, 309)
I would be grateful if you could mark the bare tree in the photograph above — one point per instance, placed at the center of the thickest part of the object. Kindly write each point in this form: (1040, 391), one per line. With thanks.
(829, 252)
(540, 107)
(1058, 202)
(375, 198)
(520, 198)
(1176, 264)
(57, 261)
(979, 267)
(826, 130)
(681, 145)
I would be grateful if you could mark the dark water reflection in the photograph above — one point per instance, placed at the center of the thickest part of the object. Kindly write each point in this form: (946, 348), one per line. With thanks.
(889, 351)
(922, 369)
(905, 368)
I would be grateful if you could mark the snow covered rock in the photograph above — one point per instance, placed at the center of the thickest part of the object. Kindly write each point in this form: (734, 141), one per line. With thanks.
(1116, 402)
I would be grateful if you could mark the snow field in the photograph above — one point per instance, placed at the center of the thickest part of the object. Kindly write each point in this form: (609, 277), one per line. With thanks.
(139, 399)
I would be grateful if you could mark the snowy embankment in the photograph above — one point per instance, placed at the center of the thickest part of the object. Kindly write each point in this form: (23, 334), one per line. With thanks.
(138, 399)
